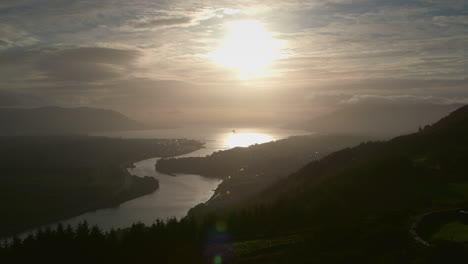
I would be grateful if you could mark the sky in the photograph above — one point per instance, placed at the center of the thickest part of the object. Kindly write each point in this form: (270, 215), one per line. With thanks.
(236, 61)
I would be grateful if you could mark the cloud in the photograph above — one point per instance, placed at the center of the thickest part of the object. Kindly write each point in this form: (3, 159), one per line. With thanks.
(11, 36)
(86, 64)
(155, 52)
(93, 55)
(404, 99)
(12, 98)
(161, 22)
(13, 3)
(68, 64)
(450, 20)
(178, 18)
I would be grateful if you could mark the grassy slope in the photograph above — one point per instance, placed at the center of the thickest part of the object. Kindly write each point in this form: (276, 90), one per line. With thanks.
(453, 231)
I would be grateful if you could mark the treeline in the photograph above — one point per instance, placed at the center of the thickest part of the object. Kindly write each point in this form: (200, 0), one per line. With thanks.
(169, 241)
(162, 242)
(244, 236)
(353, 206)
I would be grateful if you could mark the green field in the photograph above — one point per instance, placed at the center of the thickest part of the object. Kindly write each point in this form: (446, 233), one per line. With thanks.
(253, 247)
(452, 231)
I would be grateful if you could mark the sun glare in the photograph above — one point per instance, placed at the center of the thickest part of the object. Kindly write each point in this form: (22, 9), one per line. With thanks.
(246, 139)
(248, 48)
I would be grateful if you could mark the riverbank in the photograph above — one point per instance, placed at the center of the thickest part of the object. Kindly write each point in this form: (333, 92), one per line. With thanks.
(176, 195)
(41, 182)
(248, 171)
(138, 187)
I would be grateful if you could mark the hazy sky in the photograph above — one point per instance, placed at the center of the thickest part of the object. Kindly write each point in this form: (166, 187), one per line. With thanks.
(192, 60)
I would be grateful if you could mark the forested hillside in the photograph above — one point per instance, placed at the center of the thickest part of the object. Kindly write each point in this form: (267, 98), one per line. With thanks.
(356, 205)
(247, 171)
(47, 178)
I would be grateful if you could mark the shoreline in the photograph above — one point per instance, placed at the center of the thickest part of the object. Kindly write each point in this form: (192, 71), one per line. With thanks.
(145, 185)
(121, 197)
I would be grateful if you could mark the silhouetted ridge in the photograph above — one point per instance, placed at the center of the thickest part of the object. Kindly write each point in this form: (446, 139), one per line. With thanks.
(457, 120)
(58, 120)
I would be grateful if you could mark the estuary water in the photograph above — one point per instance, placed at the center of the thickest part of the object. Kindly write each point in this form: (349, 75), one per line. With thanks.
(176, 194)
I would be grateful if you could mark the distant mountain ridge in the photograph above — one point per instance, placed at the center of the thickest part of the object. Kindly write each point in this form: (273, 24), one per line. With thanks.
(378, 120)
(59, 120)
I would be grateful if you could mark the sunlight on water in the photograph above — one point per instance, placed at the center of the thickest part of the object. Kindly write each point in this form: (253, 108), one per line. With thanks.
(246, 139)
(176, 195)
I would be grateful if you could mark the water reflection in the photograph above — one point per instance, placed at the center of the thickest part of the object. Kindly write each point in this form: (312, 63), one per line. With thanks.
(246, 139)
(176, 195)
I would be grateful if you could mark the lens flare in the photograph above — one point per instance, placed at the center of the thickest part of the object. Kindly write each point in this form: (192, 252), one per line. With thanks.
(218, 260)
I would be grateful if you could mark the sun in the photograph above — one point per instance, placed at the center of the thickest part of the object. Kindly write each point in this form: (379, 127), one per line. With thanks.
(248, 48)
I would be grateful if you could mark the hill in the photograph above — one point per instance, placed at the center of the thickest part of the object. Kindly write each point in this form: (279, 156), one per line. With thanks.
(356, 205)
(386, 120)
(58, 120)
(247, 171)
(47, 178)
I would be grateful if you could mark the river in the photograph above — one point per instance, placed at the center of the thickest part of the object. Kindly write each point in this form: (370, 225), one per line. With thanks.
(176, 194)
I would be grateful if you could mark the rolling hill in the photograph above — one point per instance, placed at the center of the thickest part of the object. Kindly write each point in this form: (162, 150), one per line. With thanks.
(356, 205)
(58, 120)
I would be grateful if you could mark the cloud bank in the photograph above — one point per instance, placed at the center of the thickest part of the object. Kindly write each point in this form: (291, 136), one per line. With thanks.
(152, 57)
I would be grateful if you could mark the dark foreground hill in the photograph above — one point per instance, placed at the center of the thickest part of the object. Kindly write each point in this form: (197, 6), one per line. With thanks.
(357, 205)
(58, 120)
(44, 179)
(354, 206)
